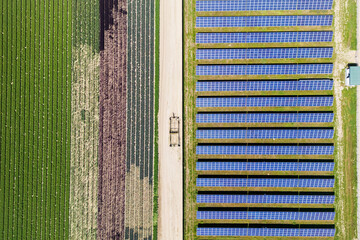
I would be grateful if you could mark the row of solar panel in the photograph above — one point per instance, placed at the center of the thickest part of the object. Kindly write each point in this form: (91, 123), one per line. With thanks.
(266, 215)
(321, 101)
(266, 182)
(264, 69)
(280, 232)
(265, 166)
(266, 199)
(302, 85)
(264, 150)
(264, 117)
(264, 53)
(257, 5)
(264, 37)
(264, 133)
(265, 21)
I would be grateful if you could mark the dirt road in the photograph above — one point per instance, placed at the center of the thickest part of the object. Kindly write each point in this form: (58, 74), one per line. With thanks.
(170, 158)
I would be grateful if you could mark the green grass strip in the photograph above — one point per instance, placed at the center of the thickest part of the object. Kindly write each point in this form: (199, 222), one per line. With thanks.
(156, 120)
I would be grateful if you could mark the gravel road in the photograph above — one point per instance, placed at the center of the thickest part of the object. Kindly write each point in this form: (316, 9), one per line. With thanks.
(170, 158)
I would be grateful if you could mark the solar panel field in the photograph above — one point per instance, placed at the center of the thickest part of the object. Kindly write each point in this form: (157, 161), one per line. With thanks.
(35, 92)
(261, 148)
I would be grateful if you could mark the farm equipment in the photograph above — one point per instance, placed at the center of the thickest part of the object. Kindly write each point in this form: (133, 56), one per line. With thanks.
(174, 131)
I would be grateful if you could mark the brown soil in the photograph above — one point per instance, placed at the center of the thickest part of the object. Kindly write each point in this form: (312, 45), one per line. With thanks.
(112, 129)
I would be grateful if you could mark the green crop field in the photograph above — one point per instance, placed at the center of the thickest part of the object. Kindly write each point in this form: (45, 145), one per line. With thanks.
(35, 93)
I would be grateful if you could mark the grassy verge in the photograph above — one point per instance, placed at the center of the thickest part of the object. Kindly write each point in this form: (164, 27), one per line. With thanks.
(189, 120)
(349, 177)
(156, 128)
(350, 38)
(345, 110)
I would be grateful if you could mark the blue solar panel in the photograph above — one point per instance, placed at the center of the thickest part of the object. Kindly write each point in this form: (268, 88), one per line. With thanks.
(264, 53)
(264, 150)
(323, 101)
(257, 5)
(265, 21)
(266, 215)
(285, 232)
(264, 133)
(264, 117)
(264, 37)
(265, 166)
(266, 199)
(302, 85)
(266, 182)
(272, 69)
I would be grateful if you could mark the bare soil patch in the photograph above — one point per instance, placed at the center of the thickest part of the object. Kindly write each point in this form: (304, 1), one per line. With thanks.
(112, 123)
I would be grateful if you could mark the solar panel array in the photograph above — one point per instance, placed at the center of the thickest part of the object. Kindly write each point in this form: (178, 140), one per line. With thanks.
(265, 21)
(266, 182)
(266, 215)
(238, 107)
(264, 69)
(264, 37)
(265, 166)
(263, 53)
(280, 232)
(322, 101)
(264, 133)
(266, 199)
(265, 149)
(256, 5)
(265, 117)
(302, 85)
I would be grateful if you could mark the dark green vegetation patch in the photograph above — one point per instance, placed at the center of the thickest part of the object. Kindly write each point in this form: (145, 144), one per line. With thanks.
(35, 115)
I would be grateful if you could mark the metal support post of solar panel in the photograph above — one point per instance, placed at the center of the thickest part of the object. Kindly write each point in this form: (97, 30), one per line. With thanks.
(264, 119)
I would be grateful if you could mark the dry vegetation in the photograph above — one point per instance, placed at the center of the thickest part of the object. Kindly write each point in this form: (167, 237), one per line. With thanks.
(84, 142)
(138, 204)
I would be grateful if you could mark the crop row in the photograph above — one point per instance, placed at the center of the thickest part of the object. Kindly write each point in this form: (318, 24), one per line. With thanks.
(35, 118)
(140, 118)
(84, 120)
